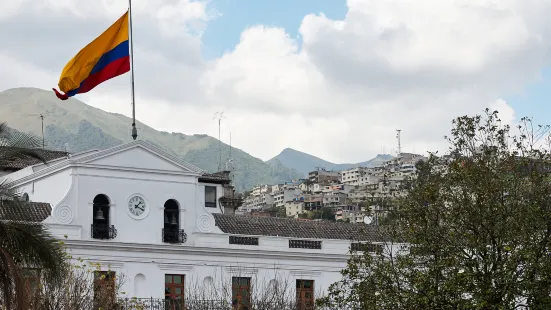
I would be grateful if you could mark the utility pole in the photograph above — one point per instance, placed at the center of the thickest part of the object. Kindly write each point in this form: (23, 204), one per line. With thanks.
(219, 116)
(42, 120)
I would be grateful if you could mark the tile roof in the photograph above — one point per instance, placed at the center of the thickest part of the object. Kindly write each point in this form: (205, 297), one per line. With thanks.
(25, 161)
(221, 177)
(283, 227)
(24, 211)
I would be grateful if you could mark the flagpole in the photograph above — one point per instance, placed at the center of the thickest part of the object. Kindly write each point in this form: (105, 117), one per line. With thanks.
(134, 130)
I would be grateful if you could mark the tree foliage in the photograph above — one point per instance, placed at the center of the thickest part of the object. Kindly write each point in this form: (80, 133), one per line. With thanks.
(477, 223)
(23, 244)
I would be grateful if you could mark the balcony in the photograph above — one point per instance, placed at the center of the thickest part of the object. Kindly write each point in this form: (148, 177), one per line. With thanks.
(174, 236)
(231, 202)
(103, 231)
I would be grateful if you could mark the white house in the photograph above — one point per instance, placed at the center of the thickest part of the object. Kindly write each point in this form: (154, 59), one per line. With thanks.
(166, 224)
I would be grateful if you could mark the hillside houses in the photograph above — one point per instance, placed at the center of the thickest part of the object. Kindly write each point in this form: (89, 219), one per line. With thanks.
(350, 194)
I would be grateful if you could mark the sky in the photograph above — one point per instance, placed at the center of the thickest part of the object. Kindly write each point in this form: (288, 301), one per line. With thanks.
(332, 78)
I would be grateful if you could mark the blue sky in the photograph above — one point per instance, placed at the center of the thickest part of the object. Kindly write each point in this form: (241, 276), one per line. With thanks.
(534, 100)
(223, 33)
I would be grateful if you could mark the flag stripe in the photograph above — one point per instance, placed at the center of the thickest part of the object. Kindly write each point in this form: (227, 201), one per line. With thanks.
(109, 71)
(119, 51)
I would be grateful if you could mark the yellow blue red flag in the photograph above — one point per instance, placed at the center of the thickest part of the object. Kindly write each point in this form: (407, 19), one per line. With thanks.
(104, 58)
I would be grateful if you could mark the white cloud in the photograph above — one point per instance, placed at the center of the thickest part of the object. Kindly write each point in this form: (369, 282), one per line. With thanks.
(339, 91)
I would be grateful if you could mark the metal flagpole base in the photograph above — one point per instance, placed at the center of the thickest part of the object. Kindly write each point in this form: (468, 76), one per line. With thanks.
(134, 132)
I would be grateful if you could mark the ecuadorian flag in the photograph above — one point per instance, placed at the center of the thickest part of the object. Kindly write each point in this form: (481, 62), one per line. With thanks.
(104, 58)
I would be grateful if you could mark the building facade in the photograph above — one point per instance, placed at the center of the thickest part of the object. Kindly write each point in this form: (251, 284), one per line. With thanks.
(141, 212)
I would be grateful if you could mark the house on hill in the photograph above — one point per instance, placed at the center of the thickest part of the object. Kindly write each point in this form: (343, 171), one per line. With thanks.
(167, 225)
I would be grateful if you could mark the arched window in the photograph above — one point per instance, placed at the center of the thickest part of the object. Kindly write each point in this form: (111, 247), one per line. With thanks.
(171, 229)
(100, 223)
(25, 197)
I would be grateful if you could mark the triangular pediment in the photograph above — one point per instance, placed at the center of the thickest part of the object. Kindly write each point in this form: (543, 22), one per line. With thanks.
(139, 155)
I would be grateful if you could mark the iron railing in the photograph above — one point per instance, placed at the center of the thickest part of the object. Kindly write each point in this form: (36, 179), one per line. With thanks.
(174, 236)
(171, 304)
(103, 231)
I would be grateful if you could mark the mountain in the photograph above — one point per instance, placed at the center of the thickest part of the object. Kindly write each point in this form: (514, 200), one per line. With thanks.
(304, 163)
(76, 126)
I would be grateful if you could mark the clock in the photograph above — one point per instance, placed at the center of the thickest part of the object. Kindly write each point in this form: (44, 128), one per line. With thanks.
(137, 207)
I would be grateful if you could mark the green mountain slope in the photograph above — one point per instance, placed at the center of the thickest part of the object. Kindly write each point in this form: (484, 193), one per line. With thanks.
(304, 163)
(77, 126)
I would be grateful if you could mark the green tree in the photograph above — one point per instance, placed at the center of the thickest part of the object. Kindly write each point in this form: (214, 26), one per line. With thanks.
(23, 244)
(324, 213)
(476, 223)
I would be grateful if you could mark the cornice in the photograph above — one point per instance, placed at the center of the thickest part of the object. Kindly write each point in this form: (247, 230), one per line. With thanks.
(174, 267)
(236, 270)
(83, 162)
(305, 273)
(202, 251)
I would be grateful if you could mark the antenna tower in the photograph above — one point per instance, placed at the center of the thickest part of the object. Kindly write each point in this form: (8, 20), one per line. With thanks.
(399, 142)
(41, 116)
(219, 116)
(229, 163)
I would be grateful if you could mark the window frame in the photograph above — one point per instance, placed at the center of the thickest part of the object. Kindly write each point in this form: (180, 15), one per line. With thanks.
(211, 204)
(303, 301)
(173, 296)
(239, 301)
(99, 283)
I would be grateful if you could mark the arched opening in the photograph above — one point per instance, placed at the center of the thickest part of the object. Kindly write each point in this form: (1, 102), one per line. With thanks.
(25, 197)
(171, 228)
(100, 222)
(140, 286)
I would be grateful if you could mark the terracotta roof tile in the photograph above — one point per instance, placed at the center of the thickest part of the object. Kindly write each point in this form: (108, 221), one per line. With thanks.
(283, 227)
(24, 211)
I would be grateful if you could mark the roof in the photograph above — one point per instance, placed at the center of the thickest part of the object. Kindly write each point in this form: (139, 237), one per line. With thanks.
(23, 161)
(24, 211)
(283, 227)
(222, 177)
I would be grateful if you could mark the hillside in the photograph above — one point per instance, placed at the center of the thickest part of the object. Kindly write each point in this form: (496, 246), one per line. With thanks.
(74, 125)
(304, 163)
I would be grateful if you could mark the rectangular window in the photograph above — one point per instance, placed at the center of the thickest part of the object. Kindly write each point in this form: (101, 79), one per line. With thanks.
(305, 294)
(104, 287)
(243, 240)
(305, 244)
(369, 247)
(31, 278)
(241, 293)
(210, 196)
(174, 291)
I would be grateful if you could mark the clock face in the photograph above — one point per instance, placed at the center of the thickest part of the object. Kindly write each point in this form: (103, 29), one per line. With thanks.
(137, 206)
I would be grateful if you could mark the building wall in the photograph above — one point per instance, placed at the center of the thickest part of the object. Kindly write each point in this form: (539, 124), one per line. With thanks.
(213, 257)
(138, 251)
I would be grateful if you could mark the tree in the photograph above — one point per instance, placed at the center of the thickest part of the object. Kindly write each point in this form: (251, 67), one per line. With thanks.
(325, 213)
(477, 225)
(23, 244)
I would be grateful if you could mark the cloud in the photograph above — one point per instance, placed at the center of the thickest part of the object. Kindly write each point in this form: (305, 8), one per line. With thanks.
(339, 90)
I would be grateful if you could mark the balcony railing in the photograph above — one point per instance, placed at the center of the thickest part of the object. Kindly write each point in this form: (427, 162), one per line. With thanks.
(231, 202)
(174, 236)
(103, 231)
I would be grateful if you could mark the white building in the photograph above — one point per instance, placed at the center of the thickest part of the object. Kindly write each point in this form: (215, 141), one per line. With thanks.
(152, 217)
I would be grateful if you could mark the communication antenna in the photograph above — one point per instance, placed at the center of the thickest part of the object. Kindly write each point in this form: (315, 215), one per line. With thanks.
(368, 220)
(219, 116)
(41, 116)
(399, 142)
(229, 163)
